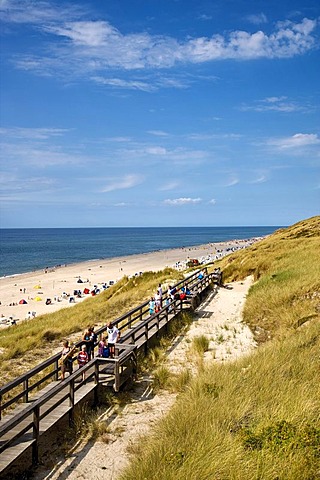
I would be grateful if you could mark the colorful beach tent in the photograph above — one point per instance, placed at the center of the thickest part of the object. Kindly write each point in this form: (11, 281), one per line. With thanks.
(38, 299)
(22, 301)
(86, 291)
(37, 287)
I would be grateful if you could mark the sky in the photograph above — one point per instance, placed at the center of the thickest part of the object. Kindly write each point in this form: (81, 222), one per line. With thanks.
(159, 112)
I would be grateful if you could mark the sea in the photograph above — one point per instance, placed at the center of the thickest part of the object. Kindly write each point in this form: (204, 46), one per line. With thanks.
(28, 249)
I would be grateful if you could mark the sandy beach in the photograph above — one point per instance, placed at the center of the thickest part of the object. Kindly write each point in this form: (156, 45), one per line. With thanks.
(58, 284)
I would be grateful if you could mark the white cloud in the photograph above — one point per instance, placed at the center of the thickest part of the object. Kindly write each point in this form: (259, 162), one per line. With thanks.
(212, 201)
(94, 48)
(296, 141)
(204, 16)
(232, 181)
(128, 181)
(118, 139)
(156, 150)
(32, 154)
(168, 186)
(158, 133)
(128, 84)
(214, 136)
(260, 179)
(121, 204)
(277, 104)
(257, 19)
(39, 12)
(182, 201)
(33, 133)
(90, 34)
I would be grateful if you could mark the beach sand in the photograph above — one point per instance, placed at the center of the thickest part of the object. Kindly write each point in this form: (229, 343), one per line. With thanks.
(55, 282)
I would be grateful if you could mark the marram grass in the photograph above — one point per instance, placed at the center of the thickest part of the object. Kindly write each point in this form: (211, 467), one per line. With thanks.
(257, 418)
(286, 270)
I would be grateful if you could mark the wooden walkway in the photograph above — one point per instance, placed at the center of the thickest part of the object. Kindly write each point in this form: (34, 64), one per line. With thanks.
(47, 402)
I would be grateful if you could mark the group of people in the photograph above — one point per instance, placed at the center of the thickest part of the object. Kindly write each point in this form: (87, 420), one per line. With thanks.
(106, 345)
(106, 348)
(157, 301)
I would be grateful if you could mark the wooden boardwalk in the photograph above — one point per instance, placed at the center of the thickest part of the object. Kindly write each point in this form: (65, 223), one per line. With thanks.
(25, 430)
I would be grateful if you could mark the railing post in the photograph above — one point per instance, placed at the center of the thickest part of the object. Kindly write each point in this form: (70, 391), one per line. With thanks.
(146, 329)
(96, 381)
(26, 390)
(35, 435)
(116, 376)
(71, 403)
(134, 364)
(56, 367)
(146, 336)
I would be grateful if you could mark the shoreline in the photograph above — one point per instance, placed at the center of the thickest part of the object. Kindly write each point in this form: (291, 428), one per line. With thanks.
(106, 259)
(59, 283)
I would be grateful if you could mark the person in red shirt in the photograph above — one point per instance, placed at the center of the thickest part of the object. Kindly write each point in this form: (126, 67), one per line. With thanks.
(83, 358)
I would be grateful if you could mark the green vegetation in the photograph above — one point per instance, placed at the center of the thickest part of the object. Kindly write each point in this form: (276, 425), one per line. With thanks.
(258, 417)
(200, 344)
(285, 266)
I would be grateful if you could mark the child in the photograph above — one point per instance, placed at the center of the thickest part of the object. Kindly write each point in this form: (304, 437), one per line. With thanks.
(83, 358)
(103, 350)
(151, 306)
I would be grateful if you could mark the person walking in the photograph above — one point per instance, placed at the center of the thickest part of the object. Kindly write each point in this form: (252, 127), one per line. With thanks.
(151, 306)
(113, 338)
(66, 359)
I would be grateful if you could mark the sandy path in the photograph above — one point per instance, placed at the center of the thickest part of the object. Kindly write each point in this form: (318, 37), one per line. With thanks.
(219, 316)
(58, 281)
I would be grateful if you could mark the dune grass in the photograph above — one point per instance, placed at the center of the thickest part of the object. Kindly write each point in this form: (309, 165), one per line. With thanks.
(257, 417)
(285, 266)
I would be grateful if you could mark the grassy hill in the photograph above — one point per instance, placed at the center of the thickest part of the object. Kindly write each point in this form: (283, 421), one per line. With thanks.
(258, 417)
(286, 270)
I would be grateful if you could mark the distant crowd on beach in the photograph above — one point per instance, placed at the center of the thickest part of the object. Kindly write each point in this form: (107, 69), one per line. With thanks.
(219, 253)
(82, 291)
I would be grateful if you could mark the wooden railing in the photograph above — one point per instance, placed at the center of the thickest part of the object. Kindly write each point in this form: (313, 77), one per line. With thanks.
(130, 326)
(31, 416)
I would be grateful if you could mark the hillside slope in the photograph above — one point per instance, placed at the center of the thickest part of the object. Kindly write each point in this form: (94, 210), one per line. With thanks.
(258, 417)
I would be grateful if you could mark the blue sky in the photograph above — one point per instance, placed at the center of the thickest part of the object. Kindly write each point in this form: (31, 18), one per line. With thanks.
(159, 112)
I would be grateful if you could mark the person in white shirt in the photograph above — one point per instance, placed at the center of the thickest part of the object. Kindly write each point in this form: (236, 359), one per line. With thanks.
(113, 337)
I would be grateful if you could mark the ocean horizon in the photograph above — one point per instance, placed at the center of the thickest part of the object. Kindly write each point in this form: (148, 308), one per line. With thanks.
(25, 250)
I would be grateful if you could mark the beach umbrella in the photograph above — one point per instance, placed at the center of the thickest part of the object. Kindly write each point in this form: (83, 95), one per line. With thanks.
(38, 299)
(37, 287)
(22, 301)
